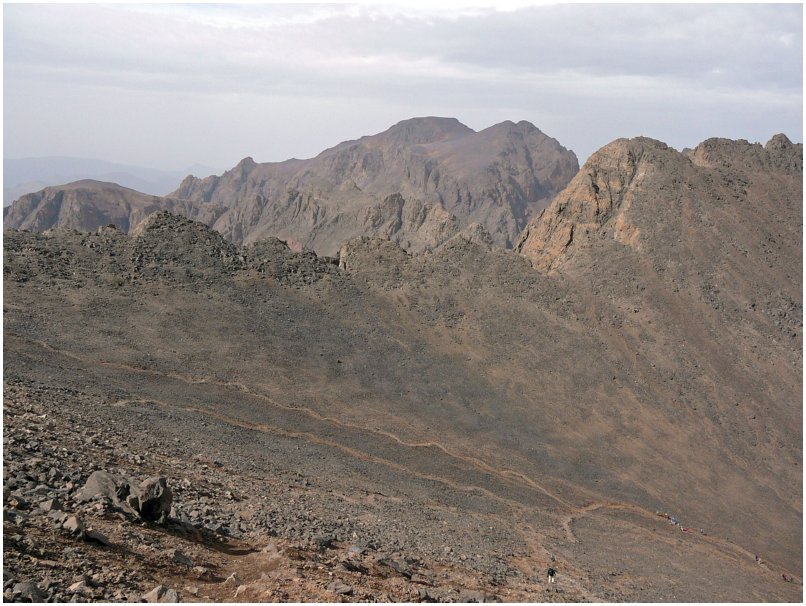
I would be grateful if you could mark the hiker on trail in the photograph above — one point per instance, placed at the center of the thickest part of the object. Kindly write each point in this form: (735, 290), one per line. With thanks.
(551, 574)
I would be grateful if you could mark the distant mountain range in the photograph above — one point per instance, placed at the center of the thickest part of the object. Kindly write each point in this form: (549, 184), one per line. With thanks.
(419, 183)
(27, 175)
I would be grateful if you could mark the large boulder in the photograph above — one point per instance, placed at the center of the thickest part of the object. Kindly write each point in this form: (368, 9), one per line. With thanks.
(154, 499)
(106, 485)
(150, 500)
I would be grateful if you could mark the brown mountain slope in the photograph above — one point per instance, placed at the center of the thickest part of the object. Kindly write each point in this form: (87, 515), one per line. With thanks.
(692, 266)
(419, 183)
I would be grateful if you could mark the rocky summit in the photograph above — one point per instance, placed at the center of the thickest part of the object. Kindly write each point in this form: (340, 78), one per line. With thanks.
(419, 183)
(193, 416)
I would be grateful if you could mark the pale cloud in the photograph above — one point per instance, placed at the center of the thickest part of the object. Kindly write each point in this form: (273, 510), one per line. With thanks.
(213, 83)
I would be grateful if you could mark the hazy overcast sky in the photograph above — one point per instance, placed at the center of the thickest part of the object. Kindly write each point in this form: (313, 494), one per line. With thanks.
(170, 85)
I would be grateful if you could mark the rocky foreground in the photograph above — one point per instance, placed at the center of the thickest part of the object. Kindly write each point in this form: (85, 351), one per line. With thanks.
(70, 536)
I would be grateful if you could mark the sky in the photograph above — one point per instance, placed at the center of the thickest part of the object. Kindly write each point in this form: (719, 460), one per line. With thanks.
(167, 86)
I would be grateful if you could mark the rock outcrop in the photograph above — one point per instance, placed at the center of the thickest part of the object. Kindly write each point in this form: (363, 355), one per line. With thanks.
(634, 192)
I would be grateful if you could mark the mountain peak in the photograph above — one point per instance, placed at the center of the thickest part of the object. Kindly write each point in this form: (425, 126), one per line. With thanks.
(522, 126)
(427, 129)
(779, 141)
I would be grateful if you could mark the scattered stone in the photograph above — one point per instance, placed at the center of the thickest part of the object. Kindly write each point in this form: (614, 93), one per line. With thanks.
(8, 578)
(74, 526)
(398, 566)
(97, 537)
(356, 550)
(340, 588)
(180, 558)
(162, 594)
(58, 516)
(17, 502)
(423, 579)
(80, 587)
(50, 505)
(324, 541)
(426, 596)
(477, 597)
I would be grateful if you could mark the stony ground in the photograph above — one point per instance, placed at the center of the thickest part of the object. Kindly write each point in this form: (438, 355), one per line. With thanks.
(227, 538)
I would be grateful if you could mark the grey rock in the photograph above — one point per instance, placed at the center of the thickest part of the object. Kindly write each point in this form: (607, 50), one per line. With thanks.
(57, 516)
(356, 550)
(340, 588)
(171, 596)
(426, 596)
(8, 577)
(97, 537)
(28, 592)
(74, 525)
(154, 499)
(132, 502)
(324, 541)
(80, 588)
(102, 483)
(50, 505)
(18, 502)
(180, 558)
(162, 594)
(477, 597)
(398, 566)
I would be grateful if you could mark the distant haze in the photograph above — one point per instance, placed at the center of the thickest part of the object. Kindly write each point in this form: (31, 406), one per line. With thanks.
(27, 175)
(167, 86)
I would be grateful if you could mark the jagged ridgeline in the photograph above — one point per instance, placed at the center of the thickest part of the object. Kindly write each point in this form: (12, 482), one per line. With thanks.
(639, 352)
(419, 183)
